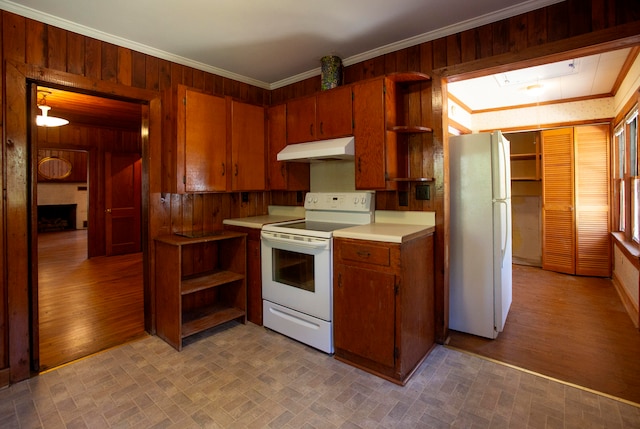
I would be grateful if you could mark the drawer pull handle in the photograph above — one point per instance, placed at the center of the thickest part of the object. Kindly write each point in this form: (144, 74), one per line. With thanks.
(363, 253)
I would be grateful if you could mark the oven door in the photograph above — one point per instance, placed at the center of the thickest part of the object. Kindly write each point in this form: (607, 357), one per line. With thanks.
(296, 273)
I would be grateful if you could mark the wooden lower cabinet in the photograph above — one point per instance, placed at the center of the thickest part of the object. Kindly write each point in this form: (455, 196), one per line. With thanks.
(383, 305)
(200, 283)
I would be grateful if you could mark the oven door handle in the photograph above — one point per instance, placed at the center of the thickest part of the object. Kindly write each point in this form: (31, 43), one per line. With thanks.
(315, 244)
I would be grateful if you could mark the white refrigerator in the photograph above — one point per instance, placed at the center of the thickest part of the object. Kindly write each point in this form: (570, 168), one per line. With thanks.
(480, 233)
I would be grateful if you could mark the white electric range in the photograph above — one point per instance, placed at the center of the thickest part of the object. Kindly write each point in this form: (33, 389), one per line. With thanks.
(297, 265)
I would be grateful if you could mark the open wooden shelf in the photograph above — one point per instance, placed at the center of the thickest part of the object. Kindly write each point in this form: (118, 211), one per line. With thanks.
(410, 129)
(198, 283)
(408, 77)
(203, 318)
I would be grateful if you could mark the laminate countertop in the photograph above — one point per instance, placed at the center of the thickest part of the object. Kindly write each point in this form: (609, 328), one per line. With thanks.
(387, 232)
(392, 227)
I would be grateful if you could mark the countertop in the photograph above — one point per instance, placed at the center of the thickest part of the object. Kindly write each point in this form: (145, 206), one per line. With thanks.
(387, 232)
(392, 227)
(276, 214)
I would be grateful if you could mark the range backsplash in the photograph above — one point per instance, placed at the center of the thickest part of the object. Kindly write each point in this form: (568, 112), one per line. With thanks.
(332, 176)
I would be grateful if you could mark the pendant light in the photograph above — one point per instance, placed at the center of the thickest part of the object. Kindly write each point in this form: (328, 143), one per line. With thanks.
(44, 120)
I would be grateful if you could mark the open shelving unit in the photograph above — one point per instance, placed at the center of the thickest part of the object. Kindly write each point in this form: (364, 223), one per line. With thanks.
(526, 158)
(200, 283)
(403, 87)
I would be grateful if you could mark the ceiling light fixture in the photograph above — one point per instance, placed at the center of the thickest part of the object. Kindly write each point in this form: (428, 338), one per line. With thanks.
(534, 90)
(45, 120)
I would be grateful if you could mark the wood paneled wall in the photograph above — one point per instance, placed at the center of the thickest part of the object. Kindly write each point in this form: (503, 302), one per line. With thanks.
(572, 24)
(75, 169)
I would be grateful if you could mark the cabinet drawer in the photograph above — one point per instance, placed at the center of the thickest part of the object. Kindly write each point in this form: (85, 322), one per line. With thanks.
(365, 253)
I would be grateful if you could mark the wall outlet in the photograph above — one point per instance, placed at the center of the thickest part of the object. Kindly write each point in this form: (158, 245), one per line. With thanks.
(244, 196)
(423, 192)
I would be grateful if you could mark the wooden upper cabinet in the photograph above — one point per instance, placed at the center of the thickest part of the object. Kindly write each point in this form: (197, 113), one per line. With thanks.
(328, 114)
(248, 148)
(384, 112)
(194, 142)
(375, 148)
(285, 176)
(301, 120)
(334, 109)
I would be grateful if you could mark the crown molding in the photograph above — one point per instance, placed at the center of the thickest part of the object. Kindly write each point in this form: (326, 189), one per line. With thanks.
(416, 40)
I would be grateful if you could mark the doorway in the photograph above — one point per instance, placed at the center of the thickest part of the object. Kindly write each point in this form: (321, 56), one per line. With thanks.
(90, 286)
(572, 328)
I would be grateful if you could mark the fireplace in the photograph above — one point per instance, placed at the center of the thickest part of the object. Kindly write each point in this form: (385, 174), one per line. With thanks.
(58, 217)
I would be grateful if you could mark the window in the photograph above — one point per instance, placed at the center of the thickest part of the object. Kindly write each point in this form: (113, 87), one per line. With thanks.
(626, 180)
(618, 175)
(632, 127)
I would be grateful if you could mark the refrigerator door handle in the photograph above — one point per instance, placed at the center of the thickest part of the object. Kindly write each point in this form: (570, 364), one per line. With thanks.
(503, 245)
(505, 177)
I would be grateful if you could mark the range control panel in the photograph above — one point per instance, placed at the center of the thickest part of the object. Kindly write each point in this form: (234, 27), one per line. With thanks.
(340, 201)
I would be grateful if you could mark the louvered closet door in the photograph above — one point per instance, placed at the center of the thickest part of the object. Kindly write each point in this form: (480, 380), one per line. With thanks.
(558, 224)
(592, 200)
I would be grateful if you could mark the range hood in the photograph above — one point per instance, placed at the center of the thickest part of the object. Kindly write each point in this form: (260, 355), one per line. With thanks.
(322, 150)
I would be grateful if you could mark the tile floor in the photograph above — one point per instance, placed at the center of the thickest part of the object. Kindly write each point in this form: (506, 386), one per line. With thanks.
(244, 376)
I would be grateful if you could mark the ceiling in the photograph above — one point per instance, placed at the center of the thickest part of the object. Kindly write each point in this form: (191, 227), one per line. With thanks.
(90, 110)
(590, 76)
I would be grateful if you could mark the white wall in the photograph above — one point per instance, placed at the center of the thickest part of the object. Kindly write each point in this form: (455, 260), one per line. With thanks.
(332, 176)
(548, 114)
(627, 275)
(65, 193)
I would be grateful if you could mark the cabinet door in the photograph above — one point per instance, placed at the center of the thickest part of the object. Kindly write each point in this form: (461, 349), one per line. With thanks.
(204, 141)
(334, 113)
(364, 313)
(370, 134)
(558, 222)
(247, 147)
(593, 247)
(301, 120)
(285, 176)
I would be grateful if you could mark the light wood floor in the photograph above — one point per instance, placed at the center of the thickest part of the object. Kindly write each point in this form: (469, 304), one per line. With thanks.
(571, 328)
(85, 305)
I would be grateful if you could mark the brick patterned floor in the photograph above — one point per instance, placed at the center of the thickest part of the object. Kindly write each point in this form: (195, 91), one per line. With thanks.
(245, 376)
